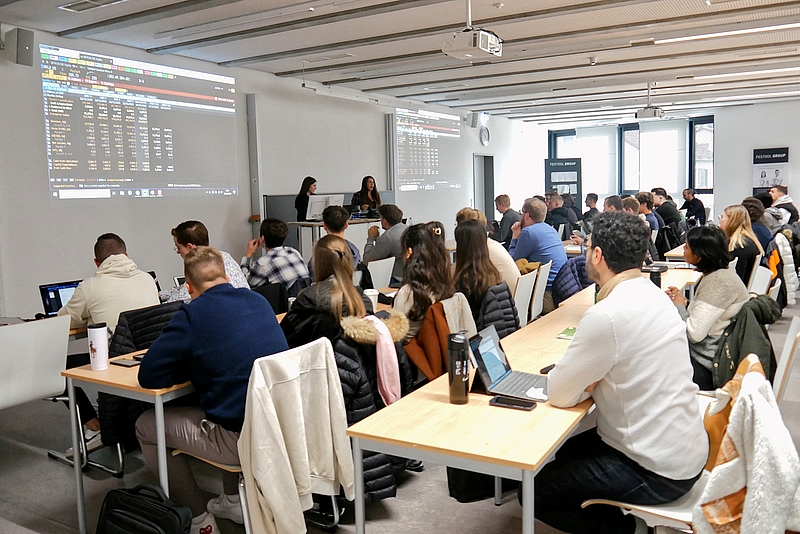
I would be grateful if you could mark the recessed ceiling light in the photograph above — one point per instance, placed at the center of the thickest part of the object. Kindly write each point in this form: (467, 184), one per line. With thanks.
(86, 5)
(747, 73)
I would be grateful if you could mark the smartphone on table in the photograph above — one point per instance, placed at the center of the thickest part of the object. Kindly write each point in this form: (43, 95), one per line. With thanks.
(511, 402)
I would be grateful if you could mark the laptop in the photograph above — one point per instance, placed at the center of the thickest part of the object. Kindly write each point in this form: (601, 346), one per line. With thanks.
(178, 280)
(55, 296)
(155, 279)
(495, 371)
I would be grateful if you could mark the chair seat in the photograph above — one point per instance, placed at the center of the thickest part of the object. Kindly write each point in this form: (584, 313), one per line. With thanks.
(225, 467)
(677, 514)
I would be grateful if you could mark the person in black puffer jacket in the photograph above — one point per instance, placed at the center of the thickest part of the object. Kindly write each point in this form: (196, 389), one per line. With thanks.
(498, 309)
(353, 337)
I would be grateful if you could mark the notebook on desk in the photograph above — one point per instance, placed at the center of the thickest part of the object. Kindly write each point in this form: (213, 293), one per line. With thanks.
(55, 296)
(495, 371)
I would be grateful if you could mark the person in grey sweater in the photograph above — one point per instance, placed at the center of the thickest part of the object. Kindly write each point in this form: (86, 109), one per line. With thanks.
(388, 244)
(719, 295)
(503, 205)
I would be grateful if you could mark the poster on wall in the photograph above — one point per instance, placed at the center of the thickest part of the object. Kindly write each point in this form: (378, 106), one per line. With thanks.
(563, 175)
(770, 168)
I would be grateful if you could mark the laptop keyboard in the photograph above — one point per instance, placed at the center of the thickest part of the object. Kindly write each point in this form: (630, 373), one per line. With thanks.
(514, 384)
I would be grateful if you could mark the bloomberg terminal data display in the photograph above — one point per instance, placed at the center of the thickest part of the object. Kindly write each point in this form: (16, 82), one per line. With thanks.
(121, 128)
(424, 139)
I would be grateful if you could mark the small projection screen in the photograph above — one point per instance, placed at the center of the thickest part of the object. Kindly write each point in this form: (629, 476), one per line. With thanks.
(116, 128)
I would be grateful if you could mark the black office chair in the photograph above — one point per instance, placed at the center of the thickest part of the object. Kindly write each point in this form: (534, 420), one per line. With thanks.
(276, 295)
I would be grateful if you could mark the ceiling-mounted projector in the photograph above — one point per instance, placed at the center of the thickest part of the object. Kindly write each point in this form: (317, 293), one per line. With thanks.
(650, 112)
(470, 44)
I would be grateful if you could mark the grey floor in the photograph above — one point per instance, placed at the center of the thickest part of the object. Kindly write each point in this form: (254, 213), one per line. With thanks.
(38, 494)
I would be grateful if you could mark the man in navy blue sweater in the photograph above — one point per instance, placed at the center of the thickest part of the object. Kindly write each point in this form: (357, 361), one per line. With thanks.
(212, 341)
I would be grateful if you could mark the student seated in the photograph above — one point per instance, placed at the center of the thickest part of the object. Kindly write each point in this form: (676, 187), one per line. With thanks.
(116, 286)
(719, 296)
(279, 264)
(387, 245)
(476, 277)
(334, 222)
(742, 242)
(536, 241)
(503, 205)
(428, 276)
(188, 235)
(646, 203)
(649, 445)
(756, 211)
(212, 341)
(498, 255)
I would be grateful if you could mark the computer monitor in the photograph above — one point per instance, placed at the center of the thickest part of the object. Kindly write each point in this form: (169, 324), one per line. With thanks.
(318, 203)
(55, 296)
(155, 279)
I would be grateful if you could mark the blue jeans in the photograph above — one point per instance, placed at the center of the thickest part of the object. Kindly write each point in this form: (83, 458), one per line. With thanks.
(587, 468)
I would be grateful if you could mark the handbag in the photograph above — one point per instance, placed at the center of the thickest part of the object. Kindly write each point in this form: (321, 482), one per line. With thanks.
(142, 510)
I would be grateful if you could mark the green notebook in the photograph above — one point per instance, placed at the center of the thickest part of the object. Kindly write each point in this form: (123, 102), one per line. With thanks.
(568, 333)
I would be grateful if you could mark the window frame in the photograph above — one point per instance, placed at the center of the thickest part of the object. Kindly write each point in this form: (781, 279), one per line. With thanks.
(691, 123)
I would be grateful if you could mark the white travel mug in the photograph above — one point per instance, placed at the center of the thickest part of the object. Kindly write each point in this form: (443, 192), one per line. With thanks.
(373, 296)
(291, 301)
(98, 346)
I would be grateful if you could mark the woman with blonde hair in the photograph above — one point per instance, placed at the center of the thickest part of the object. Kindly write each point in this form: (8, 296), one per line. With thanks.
(742, 241)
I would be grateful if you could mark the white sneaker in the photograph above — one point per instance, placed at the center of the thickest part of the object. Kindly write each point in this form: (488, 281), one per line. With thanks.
(93, 442)
(204, 524)
(226, 507)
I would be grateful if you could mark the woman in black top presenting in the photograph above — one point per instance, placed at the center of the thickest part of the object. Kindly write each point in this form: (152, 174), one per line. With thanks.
(368, 197)
(301, 201)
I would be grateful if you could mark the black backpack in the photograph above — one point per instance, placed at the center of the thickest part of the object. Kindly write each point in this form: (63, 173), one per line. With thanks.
(142, 510)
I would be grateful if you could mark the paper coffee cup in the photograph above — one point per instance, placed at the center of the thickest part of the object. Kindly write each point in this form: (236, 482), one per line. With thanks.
(373, 296)
(97, 335)
(291, 301)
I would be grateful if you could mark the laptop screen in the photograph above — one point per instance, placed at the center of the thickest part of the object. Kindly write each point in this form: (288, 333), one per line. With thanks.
(55, 296)
(155, 279)
(490, 358)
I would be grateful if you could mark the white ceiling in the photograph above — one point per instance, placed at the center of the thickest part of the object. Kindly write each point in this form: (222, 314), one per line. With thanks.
(700, 54)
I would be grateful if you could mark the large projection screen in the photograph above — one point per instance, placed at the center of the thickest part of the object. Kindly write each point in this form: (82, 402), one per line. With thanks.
(116, 127)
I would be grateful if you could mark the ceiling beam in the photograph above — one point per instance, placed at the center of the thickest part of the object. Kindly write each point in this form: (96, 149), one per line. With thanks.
(142, 17)
(272, 29)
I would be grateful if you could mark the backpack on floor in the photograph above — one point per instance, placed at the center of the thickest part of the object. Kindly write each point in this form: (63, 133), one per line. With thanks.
(142, 510)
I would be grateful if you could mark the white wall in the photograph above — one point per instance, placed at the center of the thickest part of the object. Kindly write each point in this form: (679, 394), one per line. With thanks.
(739, 130)
(338, 141)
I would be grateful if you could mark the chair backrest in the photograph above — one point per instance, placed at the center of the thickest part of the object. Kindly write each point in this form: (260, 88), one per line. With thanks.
(733, 263)
(784, 369)
(276, 295)
(653, 235)
(357, 277)
(776, 288)
(32, 357)
(751, 279)
(538, 291)
(524, 295)
(759, 280)
(381, 272)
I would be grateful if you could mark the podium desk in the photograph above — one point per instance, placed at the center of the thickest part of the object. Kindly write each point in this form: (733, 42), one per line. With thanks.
(475, 436)
(124, 382)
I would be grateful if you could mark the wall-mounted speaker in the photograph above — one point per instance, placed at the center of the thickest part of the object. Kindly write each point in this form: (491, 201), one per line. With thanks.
(472, 120)
(18, 46)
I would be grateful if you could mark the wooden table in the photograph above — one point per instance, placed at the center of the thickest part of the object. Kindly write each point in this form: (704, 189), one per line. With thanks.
(680, 278)
(315, 227)
(572, 249)
(676, 254)
(475, 436)
(122, 381)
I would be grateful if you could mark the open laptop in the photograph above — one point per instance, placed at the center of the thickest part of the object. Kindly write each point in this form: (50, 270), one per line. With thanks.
(317, 203)
(54, 296)
(178, 280)
(495, 371)
(155, 279)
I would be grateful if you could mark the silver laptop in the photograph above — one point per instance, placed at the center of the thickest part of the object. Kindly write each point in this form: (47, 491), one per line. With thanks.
(495, 371)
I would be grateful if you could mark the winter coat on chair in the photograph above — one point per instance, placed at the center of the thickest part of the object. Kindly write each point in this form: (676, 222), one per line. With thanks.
(570, 279)
(789, 268)
(354, 349)
(497, 309)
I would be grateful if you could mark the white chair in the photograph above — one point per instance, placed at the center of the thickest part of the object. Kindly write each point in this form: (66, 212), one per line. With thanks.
(653, 235)
(357, 275)
(760, 280)
(773, 293)
(381, 272)
(524, 295)
(784, 370)
(538, 291)
(33, 356)
(676, 514)
(756, 265)
(732, 265)
(562, 230)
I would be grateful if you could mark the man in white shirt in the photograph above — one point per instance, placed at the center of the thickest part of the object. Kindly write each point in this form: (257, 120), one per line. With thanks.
(631, 355)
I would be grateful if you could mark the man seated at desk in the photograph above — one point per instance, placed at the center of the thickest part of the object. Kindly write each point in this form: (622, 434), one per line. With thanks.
(334, 222)
(117, 286)
(212, 341)
(631, 355)
(388, 245)
(279, 264)
(188, 235)
(535, 240)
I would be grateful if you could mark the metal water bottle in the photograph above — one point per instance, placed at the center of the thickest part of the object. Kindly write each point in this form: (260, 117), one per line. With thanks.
(458, 367)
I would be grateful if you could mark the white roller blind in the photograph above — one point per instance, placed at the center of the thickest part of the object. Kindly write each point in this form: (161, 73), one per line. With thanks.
(662, 157)
(597, 148)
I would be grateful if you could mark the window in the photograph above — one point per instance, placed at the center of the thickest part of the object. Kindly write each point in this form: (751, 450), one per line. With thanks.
(597, 148)
(629, 158)
(653, 154)
(562, 144)
(701, 159)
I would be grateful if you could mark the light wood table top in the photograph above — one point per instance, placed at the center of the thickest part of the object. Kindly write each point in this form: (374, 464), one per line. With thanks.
(679, 278)
(676, 254)
(118, 377)
(425, 419)
(572, 249)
